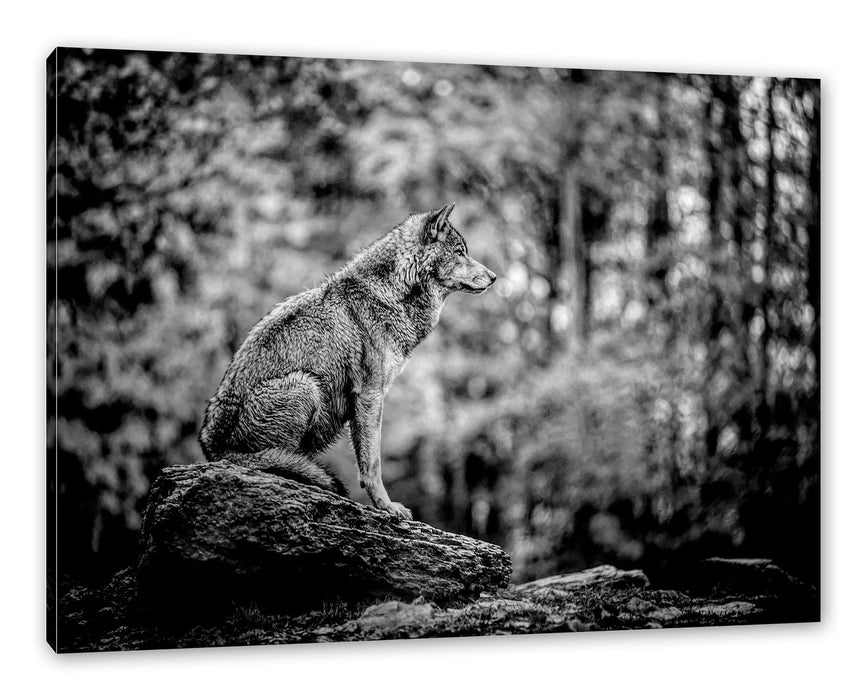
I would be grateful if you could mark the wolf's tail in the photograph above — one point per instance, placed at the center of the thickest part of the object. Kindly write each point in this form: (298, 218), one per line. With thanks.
(289, 465)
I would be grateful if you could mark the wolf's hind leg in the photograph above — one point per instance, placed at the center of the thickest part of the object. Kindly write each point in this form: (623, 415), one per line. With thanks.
(274, 419)
(277, 413)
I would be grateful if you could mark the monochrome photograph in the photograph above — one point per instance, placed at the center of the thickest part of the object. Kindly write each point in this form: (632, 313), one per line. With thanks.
(349, 350)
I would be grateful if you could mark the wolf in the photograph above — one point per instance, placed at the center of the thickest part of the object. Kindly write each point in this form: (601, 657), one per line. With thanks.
(327, 357)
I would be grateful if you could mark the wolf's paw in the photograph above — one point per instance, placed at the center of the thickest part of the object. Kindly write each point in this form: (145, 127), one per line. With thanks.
(398, 510)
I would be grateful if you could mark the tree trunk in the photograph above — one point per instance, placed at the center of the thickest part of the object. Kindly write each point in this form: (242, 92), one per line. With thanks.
(715, 167)
(550, 215)
(741, 313)
(658, 228)
(575, 255)
(734, 152)
(714, 162)
(215, 533)
(764, 410)
(584, 287)
(813, 285)
(658, 221)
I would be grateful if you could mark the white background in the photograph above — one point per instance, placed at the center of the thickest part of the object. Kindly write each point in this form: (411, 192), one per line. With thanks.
(815, 39)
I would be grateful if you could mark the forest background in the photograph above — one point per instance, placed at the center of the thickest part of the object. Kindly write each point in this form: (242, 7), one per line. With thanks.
(640, 387)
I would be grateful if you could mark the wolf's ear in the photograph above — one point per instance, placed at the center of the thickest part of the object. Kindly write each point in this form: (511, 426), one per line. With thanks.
(436, 222)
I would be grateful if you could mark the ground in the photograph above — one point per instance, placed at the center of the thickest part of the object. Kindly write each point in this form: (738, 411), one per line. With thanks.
(727, 592)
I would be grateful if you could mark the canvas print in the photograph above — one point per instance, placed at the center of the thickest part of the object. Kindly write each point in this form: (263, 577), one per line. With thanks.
(352, 350)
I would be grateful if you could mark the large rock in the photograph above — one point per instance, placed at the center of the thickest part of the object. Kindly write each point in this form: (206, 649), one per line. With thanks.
(215, 533)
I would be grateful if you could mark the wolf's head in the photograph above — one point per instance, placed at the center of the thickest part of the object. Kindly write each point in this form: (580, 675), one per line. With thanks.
(445, 258)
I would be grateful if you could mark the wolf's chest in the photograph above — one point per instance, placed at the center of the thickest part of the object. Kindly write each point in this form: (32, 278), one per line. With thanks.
(392, 364)
(378, 369)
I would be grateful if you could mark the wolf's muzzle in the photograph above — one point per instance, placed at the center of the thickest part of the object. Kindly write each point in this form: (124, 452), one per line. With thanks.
(481, 280)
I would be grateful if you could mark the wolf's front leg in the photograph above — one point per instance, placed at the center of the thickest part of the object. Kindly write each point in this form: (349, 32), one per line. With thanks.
(366, 429)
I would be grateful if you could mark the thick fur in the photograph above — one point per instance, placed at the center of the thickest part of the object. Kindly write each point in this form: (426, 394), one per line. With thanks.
(327, 356)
